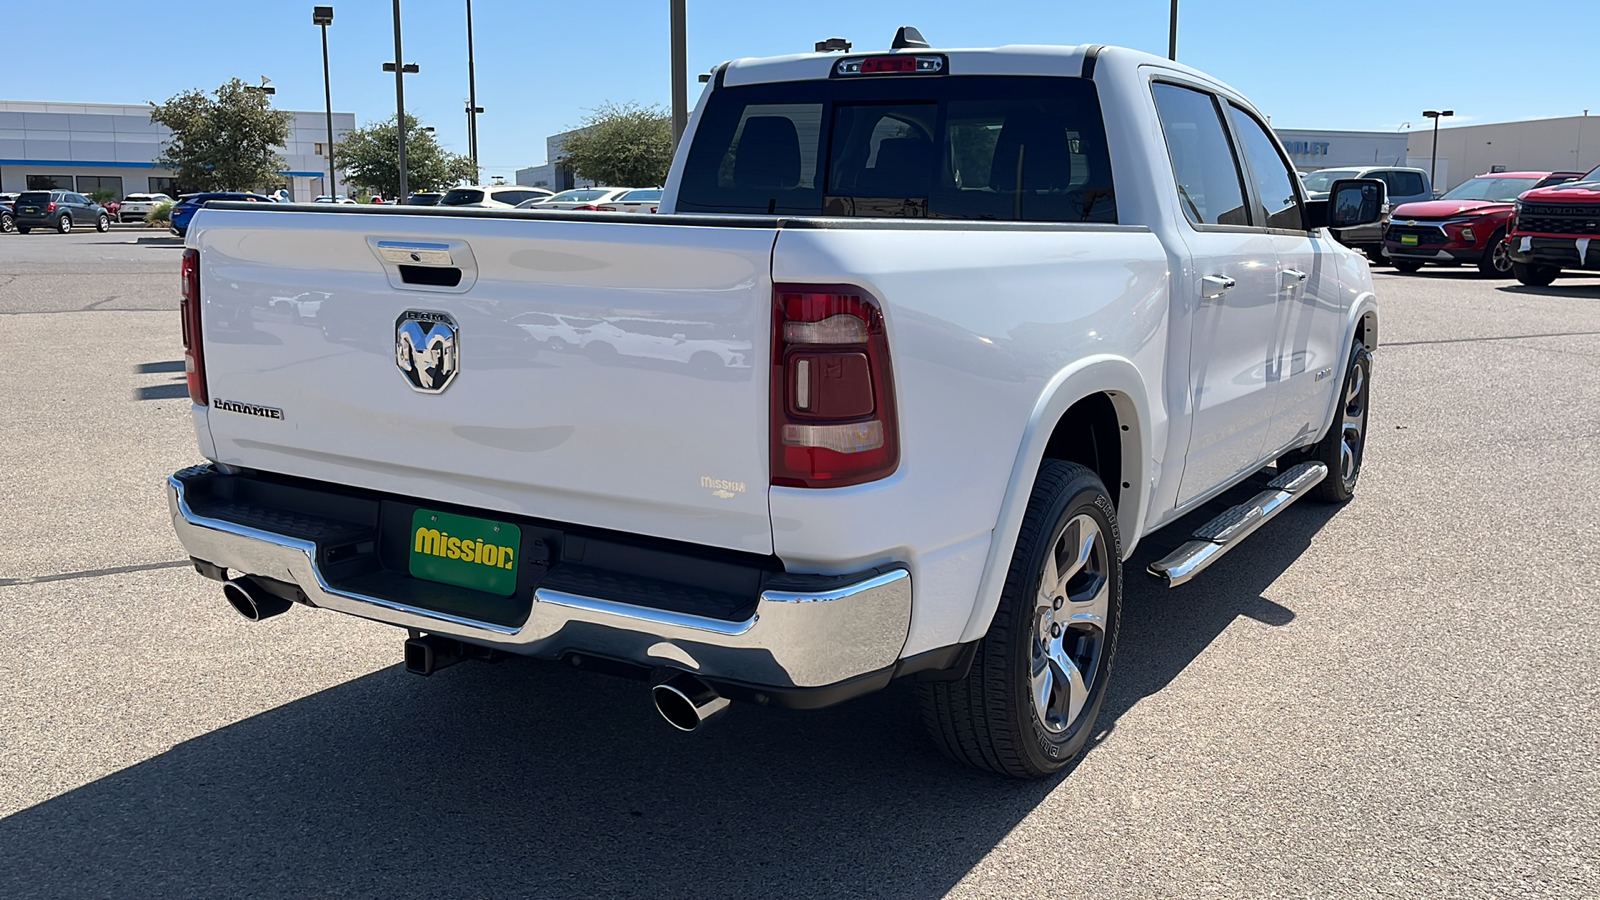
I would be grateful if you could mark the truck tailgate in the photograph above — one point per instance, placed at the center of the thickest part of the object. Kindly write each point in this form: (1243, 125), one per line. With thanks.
(599, 373)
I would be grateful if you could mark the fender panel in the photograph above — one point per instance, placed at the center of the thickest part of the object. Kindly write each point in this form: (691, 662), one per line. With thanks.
(1365, 304)
(1118, 378)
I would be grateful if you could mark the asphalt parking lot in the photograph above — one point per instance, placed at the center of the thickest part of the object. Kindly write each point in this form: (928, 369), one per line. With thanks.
(1395, 698)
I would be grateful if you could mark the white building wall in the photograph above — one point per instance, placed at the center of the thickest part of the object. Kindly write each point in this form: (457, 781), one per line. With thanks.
(120, 141)
(1539, 145)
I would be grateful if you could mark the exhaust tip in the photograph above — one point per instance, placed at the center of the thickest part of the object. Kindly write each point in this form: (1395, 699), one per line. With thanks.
(686, 702)
(249, 600)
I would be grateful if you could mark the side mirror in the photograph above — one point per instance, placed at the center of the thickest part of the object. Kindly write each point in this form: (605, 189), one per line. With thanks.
(1356, 201)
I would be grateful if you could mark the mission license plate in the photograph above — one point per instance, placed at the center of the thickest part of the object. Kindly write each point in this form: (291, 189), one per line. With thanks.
(472, 553)
(1409, 240)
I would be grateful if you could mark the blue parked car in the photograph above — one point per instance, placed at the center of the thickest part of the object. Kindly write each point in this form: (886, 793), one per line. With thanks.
(184, 209)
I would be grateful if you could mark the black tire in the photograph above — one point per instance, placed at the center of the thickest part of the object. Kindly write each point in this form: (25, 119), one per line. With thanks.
(7, 223)
(1343, 448)
(1408, 266)
(990, 719)
(1496, 262)
(64, 224)
(24, 229)
(1375, 255)
(1535, 276)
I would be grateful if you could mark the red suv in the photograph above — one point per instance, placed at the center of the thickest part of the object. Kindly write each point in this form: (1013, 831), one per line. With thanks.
(1466, 225)
(1552, 229)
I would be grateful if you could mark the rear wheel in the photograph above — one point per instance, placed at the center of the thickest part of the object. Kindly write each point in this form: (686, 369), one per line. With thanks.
(1408, 266)
(64, 224)
(1028, 706)
(1535, 276)
(103, 224)
(23, 229)
(7, 224)
(1496, 262)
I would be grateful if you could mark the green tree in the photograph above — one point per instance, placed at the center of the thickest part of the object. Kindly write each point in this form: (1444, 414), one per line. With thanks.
(370, 158)
(224, 141)
(627, 146)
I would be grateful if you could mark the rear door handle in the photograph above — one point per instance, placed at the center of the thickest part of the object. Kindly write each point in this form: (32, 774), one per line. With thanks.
(1216, 285)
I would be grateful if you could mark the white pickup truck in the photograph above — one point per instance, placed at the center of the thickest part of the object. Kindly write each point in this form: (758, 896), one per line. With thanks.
(920, 345)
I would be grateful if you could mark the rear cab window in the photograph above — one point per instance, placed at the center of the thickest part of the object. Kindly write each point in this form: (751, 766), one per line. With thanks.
(461, 197)
(1017, 148)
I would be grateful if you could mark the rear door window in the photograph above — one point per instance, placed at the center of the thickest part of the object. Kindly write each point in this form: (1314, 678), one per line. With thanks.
(989, 147)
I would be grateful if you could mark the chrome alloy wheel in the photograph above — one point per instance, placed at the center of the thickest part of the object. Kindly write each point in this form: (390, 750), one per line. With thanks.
(1500, 257)
(1353, 424)
(1069, 625)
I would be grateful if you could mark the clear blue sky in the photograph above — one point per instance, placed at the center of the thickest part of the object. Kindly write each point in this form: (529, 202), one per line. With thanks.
(1353, 65)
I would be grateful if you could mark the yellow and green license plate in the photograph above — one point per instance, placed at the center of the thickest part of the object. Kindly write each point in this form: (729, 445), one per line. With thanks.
(472, 553)
(1409, 240)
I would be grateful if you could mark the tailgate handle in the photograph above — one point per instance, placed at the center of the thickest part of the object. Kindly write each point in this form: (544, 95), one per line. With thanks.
(418, 264)
(431, 276)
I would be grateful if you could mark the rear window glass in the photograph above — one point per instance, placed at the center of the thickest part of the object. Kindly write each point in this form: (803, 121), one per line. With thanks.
(34, 197)
(634, 196)
(990, 147)
(461, 197)
(579, 195)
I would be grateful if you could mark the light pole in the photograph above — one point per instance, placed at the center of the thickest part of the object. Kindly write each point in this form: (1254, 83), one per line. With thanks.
(472, 100)
(323, 16)
(1433, 161)
(400, 69)
(680, 76)
(1172, 34)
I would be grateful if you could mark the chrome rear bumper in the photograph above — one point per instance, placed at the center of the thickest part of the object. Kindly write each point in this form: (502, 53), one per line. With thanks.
(794, 639)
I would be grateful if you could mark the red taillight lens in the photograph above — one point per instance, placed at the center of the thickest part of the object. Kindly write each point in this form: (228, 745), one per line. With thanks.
(585, 209)
(194, 359)
(52, 207)
(833, 408)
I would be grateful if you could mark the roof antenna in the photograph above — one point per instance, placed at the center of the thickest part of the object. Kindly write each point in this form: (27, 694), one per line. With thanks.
(908, 38)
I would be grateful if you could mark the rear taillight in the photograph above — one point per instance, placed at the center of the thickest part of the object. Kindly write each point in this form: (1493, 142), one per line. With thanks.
(602, 208)
(194, 358)
(833, 411)
(52, 207)
(585, 209)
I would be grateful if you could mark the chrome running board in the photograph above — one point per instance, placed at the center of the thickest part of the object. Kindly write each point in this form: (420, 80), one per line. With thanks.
(1223, 533)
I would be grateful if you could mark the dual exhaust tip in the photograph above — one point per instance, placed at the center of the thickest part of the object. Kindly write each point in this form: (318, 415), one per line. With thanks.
(683, 700)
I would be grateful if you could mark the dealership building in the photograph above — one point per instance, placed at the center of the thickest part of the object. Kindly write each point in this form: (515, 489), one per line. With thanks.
(87, 147)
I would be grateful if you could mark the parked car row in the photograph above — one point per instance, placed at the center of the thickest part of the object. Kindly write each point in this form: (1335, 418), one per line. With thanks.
(1471, 224)
(1466, 226)
(61, 210)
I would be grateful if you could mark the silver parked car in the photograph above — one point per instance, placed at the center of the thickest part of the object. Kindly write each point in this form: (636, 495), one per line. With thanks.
(578, 198)
(642, 200)
(1406, 185)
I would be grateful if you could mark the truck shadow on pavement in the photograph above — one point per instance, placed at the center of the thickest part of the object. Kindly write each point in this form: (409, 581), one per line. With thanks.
(526, 779)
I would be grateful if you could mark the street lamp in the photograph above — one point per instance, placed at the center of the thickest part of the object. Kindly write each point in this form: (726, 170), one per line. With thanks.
(400, 70)
(472, 136)
(680, 68)
(323, 16)
(472, 100)
(1433, 162)
(1172, 33)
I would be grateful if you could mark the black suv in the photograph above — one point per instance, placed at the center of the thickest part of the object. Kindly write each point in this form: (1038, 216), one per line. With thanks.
(61, 210)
